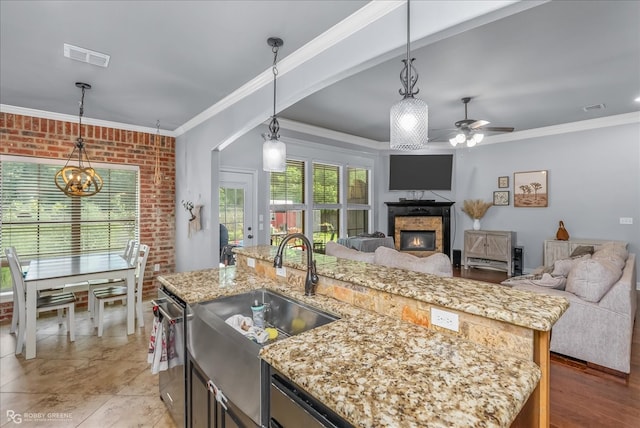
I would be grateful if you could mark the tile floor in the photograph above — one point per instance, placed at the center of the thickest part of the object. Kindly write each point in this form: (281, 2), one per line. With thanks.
(92, 382)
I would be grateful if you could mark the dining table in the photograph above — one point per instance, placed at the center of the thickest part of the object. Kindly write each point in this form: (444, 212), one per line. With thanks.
(51, 273)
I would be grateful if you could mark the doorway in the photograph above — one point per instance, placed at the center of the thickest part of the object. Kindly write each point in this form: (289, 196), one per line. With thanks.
(236, 213)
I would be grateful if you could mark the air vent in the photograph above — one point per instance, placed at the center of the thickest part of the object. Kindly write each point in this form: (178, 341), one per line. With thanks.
(85, 55)
(594, 107)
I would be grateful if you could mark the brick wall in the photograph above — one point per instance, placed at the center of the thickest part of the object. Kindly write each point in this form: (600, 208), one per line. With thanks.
(55, 139)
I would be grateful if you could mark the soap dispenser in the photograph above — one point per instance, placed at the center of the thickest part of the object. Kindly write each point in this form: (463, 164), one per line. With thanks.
(258, 314)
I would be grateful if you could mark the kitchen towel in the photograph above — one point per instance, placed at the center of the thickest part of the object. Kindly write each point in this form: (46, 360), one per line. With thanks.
(157, 353)
(245, 326)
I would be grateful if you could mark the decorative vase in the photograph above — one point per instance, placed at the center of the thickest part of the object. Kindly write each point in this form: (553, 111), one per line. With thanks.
(476, 224)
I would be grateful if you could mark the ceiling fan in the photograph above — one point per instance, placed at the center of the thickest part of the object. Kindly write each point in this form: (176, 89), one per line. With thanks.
(471, 131)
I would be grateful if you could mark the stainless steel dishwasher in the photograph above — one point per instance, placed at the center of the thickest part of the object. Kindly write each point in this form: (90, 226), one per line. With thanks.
(170, 310)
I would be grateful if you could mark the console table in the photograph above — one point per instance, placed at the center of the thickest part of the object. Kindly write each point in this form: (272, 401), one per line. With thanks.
(489, 248)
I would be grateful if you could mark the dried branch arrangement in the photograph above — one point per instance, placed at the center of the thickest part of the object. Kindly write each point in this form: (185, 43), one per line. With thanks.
(476, 208)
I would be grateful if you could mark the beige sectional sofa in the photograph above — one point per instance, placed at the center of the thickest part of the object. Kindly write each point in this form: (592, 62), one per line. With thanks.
(601, 289)
(437, 264)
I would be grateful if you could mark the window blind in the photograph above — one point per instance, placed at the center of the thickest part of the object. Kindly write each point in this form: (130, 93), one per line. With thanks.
(287, 188)
(41, 221)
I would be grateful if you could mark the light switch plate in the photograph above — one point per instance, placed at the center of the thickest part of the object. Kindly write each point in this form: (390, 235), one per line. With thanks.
(281, 271)
(251, 262)
(626, 220)
(156, 267)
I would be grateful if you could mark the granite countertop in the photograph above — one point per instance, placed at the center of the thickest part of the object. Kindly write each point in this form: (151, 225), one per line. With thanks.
(531, 310)
(376, 371)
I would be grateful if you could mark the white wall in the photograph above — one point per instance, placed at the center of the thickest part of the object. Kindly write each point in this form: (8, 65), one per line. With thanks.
(593, 178)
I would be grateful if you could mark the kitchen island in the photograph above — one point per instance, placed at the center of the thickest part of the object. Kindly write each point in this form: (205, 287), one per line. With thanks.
(377, 370)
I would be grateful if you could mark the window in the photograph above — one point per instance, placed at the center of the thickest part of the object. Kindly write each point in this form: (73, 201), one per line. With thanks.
(326, 204)
(358, 207)
(340, 204)
(287, 201)
(41, 221)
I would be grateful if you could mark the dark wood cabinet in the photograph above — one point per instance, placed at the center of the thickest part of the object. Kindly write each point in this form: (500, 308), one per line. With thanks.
(204, 411)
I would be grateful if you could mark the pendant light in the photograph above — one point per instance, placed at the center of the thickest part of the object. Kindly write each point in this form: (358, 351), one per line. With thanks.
(409, 116)
(80, 180)
(274, 151)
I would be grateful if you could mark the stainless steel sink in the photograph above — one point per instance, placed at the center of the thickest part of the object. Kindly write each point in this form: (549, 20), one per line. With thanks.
(230, 359)
(288, 316)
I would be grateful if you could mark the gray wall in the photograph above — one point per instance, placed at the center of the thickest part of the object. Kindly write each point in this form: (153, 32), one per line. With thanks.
(593, 178)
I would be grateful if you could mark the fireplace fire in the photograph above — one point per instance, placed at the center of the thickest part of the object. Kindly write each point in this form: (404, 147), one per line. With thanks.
(417, 240)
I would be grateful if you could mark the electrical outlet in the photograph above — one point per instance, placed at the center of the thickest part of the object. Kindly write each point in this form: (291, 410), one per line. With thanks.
(281, 271)
(444, 319)
(251, 262)
(156, 267)
(626, 220)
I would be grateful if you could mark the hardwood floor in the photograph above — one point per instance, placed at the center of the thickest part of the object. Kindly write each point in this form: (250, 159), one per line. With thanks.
(583, 396)
(106, 382)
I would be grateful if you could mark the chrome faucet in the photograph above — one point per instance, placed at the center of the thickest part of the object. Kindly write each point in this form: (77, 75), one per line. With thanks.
(312, 275)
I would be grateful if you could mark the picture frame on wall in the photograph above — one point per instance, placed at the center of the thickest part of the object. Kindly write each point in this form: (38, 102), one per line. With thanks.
(530, 189)
(503, 182)
(501, 198)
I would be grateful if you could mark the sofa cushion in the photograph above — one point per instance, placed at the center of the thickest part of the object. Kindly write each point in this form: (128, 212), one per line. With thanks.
(436, 264)
(562, 267)
(591, 279)
(337, 250)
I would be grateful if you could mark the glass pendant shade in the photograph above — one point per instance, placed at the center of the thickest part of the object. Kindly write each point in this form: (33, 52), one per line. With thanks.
(409, 120)
(274, 156)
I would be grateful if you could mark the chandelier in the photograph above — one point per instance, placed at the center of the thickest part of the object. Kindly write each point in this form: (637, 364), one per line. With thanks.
(79, 180)
(274, 151)
(409, 116)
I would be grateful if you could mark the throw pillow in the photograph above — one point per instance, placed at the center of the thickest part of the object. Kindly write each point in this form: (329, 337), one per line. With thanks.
(591, 279)
(562, 267)
(611, 256)
(435, 264)
(391, 258)
(581, 250)
(340, 251)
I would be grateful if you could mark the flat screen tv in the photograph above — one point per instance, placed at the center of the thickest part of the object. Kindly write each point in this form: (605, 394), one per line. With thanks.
(420, 172)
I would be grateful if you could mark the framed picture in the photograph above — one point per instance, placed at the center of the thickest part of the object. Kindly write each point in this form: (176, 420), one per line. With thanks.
(501, 198)
(503, 182)
(530, 189)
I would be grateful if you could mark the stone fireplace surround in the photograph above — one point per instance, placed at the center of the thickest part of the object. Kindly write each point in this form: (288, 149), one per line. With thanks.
(421, 215)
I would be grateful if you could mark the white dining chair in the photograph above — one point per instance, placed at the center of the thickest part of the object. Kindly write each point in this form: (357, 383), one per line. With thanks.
(128, 254)
(119, 292)
(50, 302)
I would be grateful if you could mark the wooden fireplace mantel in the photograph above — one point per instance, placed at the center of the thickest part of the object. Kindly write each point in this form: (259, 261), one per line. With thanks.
(418, 208)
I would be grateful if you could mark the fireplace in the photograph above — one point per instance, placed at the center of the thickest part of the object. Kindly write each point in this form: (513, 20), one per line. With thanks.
(417, 240)
(421, 228)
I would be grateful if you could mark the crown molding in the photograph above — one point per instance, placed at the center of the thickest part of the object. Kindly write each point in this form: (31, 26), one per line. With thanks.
(565, 128)
(342, 30)
(317, 131)
(42, 114)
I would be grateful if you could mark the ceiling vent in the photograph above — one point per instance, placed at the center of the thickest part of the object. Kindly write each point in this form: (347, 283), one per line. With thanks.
(85, 55)
(594, 107)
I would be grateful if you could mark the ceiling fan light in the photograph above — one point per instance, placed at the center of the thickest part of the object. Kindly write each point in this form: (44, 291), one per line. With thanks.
(274, 156)
(471, 142)
(409, 120)
(453, 141)
(478, 137)
(461, 138)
